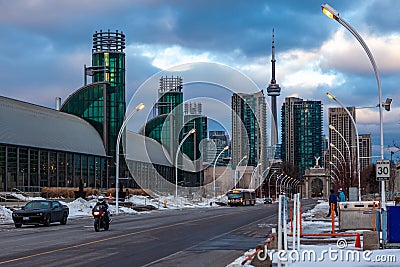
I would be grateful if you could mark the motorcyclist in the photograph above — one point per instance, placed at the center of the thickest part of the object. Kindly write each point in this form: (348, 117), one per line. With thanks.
(101, 201)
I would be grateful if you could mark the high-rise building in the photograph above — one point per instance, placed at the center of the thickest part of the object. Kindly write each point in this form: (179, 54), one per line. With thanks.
(342, 144)
(273, 91)
(249, 136)
(218, 141)
(194, 119)
(302, 138)
(168, 111)
(365, 146)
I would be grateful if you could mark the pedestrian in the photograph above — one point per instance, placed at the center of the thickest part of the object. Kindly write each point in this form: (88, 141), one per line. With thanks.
(342, 196)
(333, 199)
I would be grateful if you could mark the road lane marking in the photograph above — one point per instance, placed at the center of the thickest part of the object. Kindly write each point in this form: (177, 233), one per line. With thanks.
(211, 239)
(114, 237)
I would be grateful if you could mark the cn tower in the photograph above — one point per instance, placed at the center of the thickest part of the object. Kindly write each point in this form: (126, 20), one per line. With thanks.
(273, 91)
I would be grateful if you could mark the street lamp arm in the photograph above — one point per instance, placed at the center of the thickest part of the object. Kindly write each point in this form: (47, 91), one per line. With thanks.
(121, 130)
(329, 10)
(176, 160)
(215, 162)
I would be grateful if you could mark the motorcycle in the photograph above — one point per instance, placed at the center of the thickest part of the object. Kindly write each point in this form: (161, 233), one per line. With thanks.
(100, 218)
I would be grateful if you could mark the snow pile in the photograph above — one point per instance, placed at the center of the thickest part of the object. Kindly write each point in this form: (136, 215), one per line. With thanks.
(79, 207)
(24, 198)
(5, 215)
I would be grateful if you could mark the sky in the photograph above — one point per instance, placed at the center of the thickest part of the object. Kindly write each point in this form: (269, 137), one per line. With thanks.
(45, 45)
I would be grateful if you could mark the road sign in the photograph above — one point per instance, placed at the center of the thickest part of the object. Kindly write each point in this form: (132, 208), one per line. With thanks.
(382, 170)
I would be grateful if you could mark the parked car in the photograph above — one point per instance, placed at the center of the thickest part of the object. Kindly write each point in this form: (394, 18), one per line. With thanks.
(267, 200)
(41, 212)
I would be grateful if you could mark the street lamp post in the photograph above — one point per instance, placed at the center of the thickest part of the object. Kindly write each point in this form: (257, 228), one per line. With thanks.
(223, 150)
(121, 130)
(262, 177)
(252, 174)
(358, 145)
(276, 184)
(244, 157)
(332, 13)
(269, 184)
(282, 180)
(347, 145)
(176, 161)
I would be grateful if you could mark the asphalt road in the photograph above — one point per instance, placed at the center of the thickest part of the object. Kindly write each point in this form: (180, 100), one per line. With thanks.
(190, 237)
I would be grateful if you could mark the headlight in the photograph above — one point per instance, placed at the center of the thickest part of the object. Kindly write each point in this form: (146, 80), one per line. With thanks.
(40, 214)
(96, 213)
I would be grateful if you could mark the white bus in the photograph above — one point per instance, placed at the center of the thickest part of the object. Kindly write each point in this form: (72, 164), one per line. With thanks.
(242, 197)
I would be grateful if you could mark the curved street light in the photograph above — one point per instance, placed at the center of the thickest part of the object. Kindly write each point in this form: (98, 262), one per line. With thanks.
(333, 14)
(357, 136)
(331, 127)
(340, 152)
(244, 157)
(176, 161)
(283, 181)
(276, 184)
(121, 130)
(222, 151)
(262, 177)
(269, 184)
(252, 174)
(338, 160)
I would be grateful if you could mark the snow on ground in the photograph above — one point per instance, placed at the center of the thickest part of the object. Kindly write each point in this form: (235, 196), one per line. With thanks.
(328, 255)
(81, 207)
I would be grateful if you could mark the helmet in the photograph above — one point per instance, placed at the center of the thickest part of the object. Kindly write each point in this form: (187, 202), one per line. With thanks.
(100, 198)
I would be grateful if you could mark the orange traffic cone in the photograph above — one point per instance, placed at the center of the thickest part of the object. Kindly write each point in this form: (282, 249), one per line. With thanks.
(110, 197)
(358, 241)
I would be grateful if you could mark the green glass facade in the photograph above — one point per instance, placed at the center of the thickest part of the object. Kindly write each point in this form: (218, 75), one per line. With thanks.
(302, 138)
(102, 103)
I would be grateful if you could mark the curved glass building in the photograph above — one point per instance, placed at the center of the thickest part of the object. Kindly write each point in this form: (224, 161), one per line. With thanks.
(102, 103)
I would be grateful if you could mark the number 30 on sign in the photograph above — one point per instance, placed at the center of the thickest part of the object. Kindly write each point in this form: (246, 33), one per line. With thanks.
(382, 170)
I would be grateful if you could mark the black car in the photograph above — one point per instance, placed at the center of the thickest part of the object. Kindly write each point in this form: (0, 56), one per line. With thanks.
(267, 200)
(41, 212)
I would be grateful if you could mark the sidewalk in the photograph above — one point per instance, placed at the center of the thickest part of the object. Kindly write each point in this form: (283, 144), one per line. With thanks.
(327, 251)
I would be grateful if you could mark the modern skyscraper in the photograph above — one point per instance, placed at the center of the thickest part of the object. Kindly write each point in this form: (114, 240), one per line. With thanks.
(168, 111)
(273, 91)
(219, 140)
(343, 139)
(249, 136)
(302, 138)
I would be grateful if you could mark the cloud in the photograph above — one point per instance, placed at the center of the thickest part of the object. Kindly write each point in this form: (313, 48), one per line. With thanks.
(344, 53)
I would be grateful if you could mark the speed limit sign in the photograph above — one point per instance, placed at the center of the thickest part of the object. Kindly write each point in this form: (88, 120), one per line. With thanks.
(382, 170)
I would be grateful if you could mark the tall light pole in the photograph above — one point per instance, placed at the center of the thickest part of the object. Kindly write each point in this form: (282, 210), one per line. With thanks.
(176, 161)
(338, 160)
(244, 157)
(276, 184)
(262, 177)
(252, 174)
(333, 14)
(269, 184)
(331, 127)
(121, 130)
(358, 144)
(222, 151)
(341, 154)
